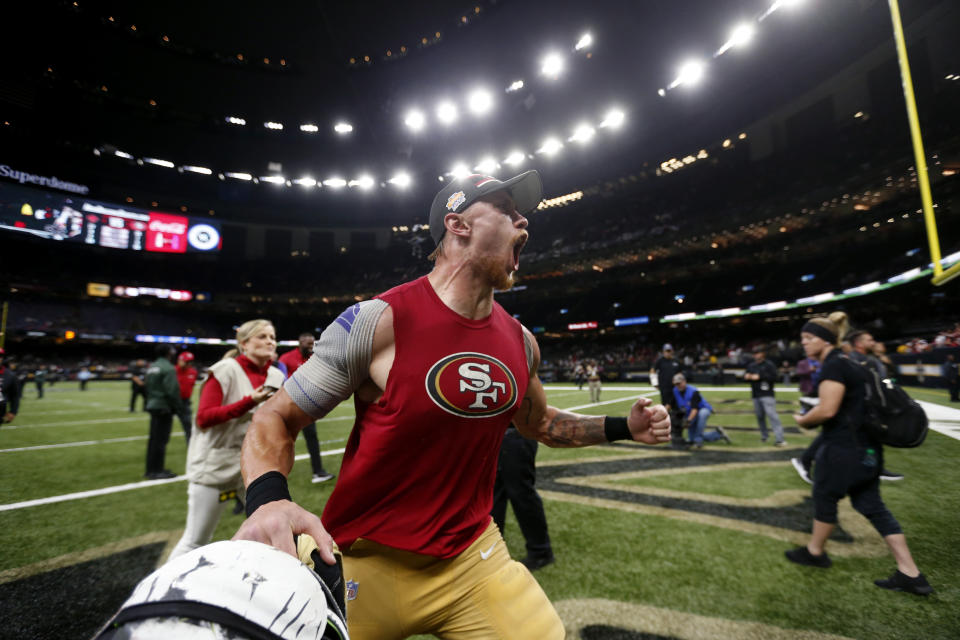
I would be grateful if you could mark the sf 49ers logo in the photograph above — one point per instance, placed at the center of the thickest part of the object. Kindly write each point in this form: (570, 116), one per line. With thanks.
(471, 385)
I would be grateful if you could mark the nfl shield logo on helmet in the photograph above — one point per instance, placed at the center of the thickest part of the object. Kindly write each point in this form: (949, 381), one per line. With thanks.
(352, 587)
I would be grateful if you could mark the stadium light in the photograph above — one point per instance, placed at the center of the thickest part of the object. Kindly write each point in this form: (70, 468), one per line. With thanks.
(159, 163)
(551, 146)
(401, 180)
(336, 183)
(415, 120)
(691, 72)
(488, 165)
(447, 112)
(613, 119)
(552, 65)
(123, 154)
(238, 176)
(276, 126)
(305, 181)
(235, 120)
(194, 169)
(309, 128)
(480, 101)
(583, 133)
(364, 182)
(516, 157)
(585, 41)
(781, 4)
(343, 127)
(460, 170)
(273, 179)
(516, 85)
(741, 35)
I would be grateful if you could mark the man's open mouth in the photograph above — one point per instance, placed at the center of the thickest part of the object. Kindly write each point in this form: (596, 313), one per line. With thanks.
(518, 244)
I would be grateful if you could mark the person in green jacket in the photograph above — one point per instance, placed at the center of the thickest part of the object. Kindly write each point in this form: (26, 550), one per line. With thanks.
(163, 402)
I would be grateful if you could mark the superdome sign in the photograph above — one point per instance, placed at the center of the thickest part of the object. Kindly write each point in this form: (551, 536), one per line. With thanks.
(63, 218)
(24, 177)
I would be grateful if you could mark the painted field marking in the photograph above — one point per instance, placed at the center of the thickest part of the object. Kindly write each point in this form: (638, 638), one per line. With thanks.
(119, 488)
(647, 387)
(945, 420)
(73, 422)
(614, 401)
(82, 443)
(34, 414)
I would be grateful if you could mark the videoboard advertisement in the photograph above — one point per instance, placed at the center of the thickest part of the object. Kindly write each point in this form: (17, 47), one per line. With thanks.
(75, 219)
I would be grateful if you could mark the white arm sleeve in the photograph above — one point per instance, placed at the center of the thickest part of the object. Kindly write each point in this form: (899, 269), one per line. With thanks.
(340, 360)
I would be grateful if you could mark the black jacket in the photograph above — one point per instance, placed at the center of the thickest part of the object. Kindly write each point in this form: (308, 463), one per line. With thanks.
(9, 390)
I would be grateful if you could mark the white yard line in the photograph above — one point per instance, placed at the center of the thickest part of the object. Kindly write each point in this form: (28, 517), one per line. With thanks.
(144, 419)
(735, 389)
(87, 443)
(614, 401)
(945, 420)
(119, 488)
(38, 414)
(83, 443)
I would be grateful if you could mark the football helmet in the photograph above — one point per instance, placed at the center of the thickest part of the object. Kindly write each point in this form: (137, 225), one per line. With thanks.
(234, 589)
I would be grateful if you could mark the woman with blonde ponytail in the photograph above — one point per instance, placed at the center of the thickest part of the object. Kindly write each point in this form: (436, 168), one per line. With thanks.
(236, 386)
(849, 461)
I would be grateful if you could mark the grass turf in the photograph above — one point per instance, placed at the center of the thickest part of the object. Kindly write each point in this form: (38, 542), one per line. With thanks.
(658, 560)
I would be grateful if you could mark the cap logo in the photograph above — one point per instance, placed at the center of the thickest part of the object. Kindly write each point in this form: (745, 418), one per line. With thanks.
(471, 385)
(454, 201)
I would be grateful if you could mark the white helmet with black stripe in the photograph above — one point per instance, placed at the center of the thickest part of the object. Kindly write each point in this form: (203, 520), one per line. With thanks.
(239, 590)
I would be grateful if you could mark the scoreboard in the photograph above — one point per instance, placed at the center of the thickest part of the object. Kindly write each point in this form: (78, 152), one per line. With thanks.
(78, 220)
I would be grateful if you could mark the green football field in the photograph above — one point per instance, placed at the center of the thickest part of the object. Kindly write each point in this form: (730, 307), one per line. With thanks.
(650, 542)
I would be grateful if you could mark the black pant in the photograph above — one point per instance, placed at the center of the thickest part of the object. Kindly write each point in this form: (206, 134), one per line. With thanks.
(954, 387)
(186, 418)
(313, 447)
(849, 470)
(39, 390)
(161, 422)
(810, 454)
(516, 477)
(137, 391)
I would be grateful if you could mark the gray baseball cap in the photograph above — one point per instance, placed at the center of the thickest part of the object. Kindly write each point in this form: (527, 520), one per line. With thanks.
(526, 190)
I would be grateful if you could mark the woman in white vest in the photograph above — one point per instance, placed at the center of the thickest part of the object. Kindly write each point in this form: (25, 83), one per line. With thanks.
(234, 389)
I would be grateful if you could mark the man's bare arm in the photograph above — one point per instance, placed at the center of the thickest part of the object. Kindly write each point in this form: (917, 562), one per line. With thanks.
(269, 443)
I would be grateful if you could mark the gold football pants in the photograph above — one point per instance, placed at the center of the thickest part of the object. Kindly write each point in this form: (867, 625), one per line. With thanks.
(480, 594)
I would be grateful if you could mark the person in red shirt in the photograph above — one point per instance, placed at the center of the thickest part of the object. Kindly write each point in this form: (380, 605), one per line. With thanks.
(437, 369)
(292, 360)
(186, 378)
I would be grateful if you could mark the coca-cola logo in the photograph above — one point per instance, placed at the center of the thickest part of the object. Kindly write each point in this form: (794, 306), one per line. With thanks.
(168, 227)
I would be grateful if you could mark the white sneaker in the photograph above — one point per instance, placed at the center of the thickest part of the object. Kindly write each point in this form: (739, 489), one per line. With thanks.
(322, 477)
(802, 471)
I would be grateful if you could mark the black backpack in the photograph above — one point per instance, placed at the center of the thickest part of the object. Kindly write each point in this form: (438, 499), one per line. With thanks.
(891, 416)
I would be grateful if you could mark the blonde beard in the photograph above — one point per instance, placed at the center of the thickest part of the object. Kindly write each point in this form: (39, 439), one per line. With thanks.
(491, 268)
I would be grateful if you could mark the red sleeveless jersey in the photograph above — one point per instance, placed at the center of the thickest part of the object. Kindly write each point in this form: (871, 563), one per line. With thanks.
(420, 463)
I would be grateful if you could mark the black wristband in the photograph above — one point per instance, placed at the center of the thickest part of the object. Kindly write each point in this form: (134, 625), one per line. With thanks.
(616, 429)
(269, 487)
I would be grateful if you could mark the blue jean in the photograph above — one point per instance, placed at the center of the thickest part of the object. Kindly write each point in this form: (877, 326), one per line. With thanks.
(766, 407)
(699, 425)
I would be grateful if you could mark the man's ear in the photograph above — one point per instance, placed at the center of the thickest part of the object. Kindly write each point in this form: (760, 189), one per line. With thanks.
(457, 224)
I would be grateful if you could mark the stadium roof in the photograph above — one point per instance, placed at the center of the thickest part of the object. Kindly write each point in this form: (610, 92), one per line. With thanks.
(163, 80)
